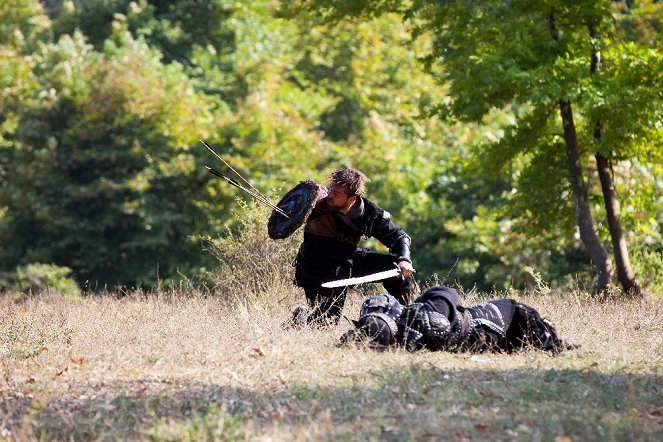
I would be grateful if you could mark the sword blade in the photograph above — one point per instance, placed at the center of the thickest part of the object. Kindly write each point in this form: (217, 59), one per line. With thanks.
(379, 276)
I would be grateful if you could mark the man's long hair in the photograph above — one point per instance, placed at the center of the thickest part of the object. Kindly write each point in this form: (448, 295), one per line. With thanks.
(350, 179)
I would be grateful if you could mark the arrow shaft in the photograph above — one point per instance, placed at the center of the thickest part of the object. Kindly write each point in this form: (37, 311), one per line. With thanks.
(258, 197)
(231, 168)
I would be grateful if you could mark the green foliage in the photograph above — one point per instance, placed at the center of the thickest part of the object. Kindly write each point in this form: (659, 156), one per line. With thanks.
(22, 22)
(284, 119)
(524, 58)
(377, 121)
(639, 21)
(198, 35)
(37, 279)
(473, 236)
(332, 10)
(212, 424)
(101, 175)
(626, 96)
(175, 28)
(102, 108)
(649, 266)
(521, 59)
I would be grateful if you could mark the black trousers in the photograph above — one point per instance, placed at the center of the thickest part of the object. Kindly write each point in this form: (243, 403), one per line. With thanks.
(327, 303)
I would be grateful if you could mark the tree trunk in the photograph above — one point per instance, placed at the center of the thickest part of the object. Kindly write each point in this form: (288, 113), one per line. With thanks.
(588, 235)
(625, 273)
(590, 239)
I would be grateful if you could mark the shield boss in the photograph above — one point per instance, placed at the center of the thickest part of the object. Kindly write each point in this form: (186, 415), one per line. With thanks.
(298, 204)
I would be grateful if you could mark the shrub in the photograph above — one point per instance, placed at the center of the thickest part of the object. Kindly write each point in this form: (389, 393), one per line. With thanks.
(252, 265)
(43, 279)
(648, 266)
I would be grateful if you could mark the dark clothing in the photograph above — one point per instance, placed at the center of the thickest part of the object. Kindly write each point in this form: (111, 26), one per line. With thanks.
(498, 325)
(436, 322)
(330, 251)
(331, 237)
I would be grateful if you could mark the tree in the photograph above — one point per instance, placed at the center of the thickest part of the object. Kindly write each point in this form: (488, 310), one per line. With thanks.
(176, 28)
(534, 59)
(198, 35)
(103, 178)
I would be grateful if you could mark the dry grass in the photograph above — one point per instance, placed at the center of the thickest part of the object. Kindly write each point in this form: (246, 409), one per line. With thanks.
(181, 366)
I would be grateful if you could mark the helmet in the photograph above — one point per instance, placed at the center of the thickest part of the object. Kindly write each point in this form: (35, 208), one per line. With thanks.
(377, 323)
(377, 329)
(386, 304)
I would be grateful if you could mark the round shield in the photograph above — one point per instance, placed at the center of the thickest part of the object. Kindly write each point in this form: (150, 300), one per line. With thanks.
(297, 204)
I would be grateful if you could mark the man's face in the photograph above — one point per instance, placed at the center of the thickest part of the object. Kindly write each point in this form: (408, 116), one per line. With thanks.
(338, 199)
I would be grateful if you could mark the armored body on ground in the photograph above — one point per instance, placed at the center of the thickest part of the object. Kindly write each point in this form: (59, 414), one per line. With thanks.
(435, 321)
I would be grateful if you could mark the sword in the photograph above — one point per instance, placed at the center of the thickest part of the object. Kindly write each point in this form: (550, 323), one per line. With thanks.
(379, 276)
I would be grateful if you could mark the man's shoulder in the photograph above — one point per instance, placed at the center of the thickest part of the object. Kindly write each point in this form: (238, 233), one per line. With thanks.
(370, 208)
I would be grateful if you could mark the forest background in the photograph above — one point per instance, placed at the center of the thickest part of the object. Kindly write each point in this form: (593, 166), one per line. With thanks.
(457, 113)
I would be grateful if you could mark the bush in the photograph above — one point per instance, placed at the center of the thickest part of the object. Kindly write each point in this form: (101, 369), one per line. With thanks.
(648, 266)
(252, 265)
(43, 279)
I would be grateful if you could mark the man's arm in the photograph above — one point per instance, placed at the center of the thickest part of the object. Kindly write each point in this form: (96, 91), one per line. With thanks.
(395, 238)
(401, 249)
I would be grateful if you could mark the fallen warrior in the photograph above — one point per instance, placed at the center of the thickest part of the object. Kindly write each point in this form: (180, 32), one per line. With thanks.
(436, 322)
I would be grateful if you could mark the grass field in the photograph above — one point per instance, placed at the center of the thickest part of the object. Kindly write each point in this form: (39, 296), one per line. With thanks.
(181, 366)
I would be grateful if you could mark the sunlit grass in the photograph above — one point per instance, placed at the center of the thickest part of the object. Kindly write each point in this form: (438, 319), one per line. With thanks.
(179, 365)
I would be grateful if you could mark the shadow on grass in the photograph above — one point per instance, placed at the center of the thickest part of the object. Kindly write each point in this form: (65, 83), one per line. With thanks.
(420, 402)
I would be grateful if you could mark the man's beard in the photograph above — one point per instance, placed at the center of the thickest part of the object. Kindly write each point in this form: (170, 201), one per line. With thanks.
(337, 206)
